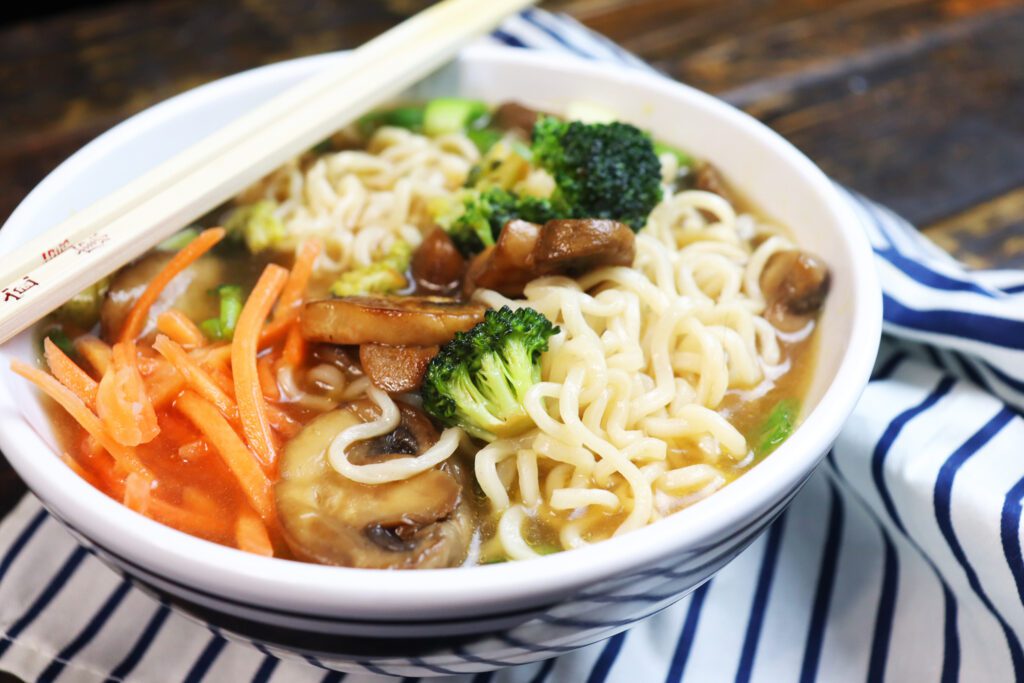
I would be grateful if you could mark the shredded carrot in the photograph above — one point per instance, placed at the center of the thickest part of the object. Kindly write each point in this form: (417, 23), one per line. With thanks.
(298, 279)
(189, 521)
(69, 374)
(164, 389)
(211, 356)
(267, 381)
(252, 407)
(196, 377)
(294, 348)
(122, 401)
(180, 328)
(125, 457)
(251, 535)
(137, 493)
(193, 450)
(136, 319)
(95, 351)
(275, 330)
(238, 458)
(281, 422)
(195, 499)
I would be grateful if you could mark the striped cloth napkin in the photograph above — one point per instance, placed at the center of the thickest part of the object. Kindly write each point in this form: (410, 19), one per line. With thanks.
(900, 560)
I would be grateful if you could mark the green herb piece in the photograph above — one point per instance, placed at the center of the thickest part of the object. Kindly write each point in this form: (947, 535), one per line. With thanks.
(452, 115)
(777, 427)
(179, 240)
(682, 158)
(222, 328)
(409, 117)
(484, 138)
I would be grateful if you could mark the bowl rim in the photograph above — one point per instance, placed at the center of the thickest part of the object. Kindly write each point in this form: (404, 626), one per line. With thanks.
(268, 583)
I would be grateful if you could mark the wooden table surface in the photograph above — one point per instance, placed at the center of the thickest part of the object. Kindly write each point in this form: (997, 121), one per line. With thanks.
(918, 104)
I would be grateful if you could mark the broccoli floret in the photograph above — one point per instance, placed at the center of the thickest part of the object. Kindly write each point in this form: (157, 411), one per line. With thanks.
(478, 380)
(384, 276)
(602, 170)
(257, 225)
(477, 221)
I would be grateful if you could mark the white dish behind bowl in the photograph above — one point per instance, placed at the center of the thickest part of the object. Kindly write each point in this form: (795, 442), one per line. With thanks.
(540, 601)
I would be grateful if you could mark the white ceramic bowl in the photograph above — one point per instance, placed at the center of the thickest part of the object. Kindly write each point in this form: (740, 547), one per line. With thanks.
(458, 620)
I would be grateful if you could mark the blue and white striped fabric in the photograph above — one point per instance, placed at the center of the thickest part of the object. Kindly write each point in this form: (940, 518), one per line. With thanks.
(900, 560)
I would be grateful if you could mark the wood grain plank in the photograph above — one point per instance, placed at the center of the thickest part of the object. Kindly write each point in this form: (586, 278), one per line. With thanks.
(990, 234)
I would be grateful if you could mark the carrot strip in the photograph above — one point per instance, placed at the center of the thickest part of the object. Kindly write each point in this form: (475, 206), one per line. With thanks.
(252, 407)
(136, 319)
(189, 521)
(268, 383)
(196, 500)
(239, 459)
(69, 374)
(275, 330)
(195, 377)
(137, 491)
(279, 420)
(294, 348)
(125, 457)
(180, 328)
(298, 279)
(122, 401)
(95, 351)
(251, 535)
(193, 450)
(213, 355)
(163, 390)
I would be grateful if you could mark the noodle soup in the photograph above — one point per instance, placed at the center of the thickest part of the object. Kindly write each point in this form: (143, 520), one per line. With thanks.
(449, 335)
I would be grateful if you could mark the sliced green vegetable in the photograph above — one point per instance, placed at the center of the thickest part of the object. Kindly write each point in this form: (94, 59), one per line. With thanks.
(452, 115)
(684, 159)
(777, 427)
(257, 225)
(484, 138)
(410, 117)
(322, 147)
(83, 309)
(179, 240)
(546, 549)
(222, 328)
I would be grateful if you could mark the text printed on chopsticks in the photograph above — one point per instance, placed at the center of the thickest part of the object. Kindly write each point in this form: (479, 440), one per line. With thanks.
(15, 292)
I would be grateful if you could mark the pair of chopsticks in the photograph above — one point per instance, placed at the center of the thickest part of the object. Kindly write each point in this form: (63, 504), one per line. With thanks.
(94, 242)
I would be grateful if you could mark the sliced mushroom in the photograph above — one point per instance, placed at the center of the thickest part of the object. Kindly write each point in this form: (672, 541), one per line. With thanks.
(508, 265)
(394, 320)
(795, 285)
(516, 118)
(421, 522)
(525, 251)
(395, 368)
(577, 245)
(189, 291)
(437, 264)
(710, 180)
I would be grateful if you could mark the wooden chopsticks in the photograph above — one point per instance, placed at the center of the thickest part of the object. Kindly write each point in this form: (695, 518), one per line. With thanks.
(52, 268)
